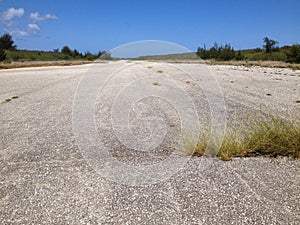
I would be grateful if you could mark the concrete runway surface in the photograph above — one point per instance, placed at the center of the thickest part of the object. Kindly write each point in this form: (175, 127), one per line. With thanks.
(46, 179)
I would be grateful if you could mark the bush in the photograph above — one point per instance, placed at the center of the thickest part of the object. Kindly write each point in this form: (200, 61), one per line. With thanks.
(2, 55)
(293, 55)
(226, 53)
(203, 53)
(223, 53)
(239, 56)
(67, 51)
(263, 56)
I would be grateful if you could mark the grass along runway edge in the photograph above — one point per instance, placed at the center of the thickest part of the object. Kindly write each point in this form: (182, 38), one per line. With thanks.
(272, 137)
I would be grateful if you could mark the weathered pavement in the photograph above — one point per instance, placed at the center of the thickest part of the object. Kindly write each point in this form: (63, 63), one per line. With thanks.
(45, 180)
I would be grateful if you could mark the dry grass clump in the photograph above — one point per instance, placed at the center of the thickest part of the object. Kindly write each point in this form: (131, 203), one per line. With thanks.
(15, 65)
(270, 64)
(266, 137)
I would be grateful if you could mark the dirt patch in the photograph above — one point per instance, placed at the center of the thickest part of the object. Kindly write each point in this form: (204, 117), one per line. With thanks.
(14, 65)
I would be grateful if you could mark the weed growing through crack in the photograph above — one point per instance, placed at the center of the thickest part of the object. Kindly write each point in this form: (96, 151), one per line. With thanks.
(271, 137)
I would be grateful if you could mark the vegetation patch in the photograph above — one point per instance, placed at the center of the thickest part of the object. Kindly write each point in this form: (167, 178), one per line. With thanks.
(41, 64)
(266, 137)
(10, 53)
(269, 52)
(268, 64)
(117, 154)
(10, 99)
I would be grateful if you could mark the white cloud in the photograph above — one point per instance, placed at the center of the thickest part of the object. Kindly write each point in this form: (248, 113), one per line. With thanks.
(15, 28)
(33, 27)
(11, 13)
(19, 33)
(37, 17)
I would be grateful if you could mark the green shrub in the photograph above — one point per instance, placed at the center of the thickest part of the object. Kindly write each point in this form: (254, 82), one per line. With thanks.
(223, 53)
(2, 55)
(67, 51)
(203, 53)
(293, 55)
(25, 55)
(263, 56)
(239, 56)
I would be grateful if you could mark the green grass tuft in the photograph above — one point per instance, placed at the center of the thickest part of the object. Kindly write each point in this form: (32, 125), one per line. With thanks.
(272, 138)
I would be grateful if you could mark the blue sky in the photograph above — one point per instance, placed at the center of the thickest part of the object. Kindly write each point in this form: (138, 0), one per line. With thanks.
(102, 25)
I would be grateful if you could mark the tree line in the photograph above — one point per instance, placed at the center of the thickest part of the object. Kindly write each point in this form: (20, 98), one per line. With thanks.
(66, 50)
(270, 51)
(7, 43)
(220, 52)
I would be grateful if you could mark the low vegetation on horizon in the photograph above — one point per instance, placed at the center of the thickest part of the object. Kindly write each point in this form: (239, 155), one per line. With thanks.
(222, 53)
(10, 53)
(269, 52)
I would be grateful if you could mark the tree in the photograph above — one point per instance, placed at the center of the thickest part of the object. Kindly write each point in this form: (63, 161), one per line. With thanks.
(217, 52)
(203, 53)
(2, 55)
(213, 51)
(269, 44)
(226, 52)
(7, 43)
(67, 51)
(77, 53)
